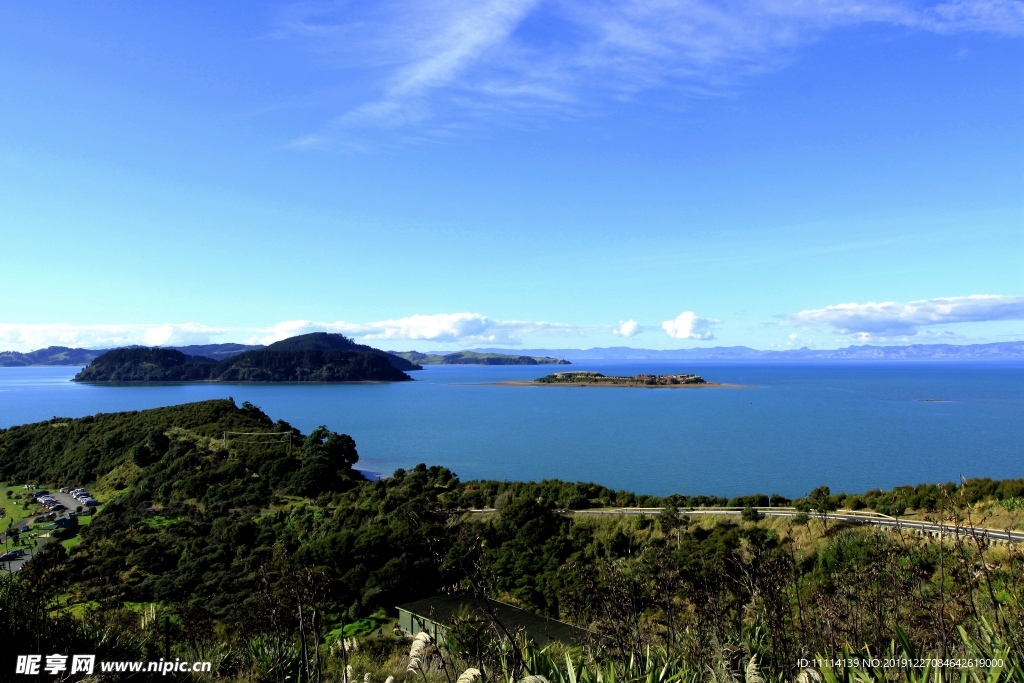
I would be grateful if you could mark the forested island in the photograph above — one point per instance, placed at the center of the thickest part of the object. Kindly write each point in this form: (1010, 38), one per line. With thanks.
(584, 378)
(317, 357)
(229, 537)
(474, 358)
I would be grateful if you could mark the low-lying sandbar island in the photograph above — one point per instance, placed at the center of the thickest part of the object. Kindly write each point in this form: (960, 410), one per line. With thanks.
(596, 379)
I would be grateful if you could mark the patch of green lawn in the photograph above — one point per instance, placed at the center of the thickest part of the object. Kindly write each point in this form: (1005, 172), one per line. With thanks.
(12, 506)
(360, 627)
(159, 521)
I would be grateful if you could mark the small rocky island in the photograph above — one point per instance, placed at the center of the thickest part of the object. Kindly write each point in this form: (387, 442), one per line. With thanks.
(584, 378)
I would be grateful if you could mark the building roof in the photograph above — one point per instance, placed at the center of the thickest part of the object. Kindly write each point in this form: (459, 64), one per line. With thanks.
(443, 608)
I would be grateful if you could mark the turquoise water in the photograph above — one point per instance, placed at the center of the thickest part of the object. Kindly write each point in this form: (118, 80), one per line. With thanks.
(853, 426)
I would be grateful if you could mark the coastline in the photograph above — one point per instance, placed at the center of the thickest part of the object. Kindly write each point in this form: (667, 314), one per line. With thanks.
(121, 383)
(707, 385)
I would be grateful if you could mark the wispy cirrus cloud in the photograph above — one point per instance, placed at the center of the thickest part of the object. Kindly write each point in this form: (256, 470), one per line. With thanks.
(438, 66)
(891, 318)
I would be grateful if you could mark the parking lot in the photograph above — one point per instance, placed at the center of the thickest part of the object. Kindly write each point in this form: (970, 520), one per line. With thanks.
(35, 536)
(66, 499)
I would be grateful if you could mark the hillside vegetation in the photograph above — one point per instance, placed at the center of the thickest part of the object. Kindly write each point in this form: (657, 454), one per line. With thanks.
(326, 341)
(264, 549)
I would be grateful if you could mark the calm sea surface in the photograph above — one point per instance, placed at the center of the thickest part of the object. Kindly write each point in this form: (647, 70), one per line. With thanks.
(853, 426)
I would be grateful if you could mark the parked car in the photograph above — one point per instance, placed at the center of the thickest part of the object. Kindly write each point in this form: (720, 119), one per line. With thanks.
(91, 503)
(12, 555)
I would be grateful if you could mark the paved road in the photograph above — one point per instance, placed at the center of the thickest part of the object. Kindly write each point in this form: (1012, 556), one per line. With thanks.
(845, 516)
(16, 565)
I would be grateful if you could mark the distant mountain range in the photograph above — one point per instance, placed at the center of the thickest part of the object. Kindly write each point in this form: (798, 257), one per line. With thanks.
(473, 358)
(316, 341)
(996, 351)
(62, 355)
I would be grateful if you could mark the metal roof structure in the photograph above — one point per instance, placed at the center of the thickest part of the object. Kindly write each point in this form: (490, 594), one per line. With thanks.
(433, 615)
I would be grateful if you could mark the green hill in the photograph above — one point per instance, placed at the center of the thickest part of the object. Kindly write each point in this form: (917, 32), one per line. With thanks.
(308, 366)
(264, 365)
(86, 449)
(326, 341)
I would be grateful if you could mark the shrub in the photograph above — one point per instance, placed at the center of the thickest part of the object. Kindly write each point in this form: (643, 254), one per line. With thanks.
(750, 514)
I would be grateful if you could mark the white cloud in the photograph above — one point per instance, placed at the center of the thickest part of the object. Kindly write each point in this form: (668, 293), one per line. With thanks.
(443, 328)
(28, 337)
(689, 325)
(460, 328)
(443, 64)
(892, 318)
(629, 328)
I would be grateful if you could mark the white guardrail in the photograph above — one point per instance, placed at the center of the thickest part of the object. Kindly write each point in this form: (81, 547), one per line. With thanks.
(850, 516)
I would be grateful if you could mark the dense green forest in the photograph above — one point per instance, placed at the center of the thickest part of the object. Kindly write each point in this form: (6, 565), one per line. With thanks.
(261, 550)
(166, 365)
(474, 358)
(328, 341)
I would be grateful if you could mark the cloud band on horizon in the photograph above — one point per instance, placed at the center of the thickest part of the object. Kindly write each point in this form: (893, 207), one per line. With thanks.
(441, 328)
(461, 328)
(906, 319)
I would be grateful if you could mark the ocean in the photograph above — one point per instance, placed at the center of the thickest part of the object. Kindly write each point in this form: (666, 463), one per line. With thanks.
(851, 425)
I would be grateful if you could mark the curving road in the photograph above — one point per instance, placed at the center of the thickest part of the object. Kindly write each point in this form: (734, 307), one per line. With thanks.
(844, 516)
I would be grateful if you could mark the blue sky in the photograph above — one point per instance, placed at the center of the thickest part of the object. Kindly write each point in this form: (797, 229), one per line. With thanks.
(528, 172)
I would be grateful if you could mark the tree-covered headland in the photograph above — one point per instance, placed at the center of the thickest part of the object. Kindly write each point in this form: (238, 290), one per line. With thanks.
(234, 538)
(317, 357)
